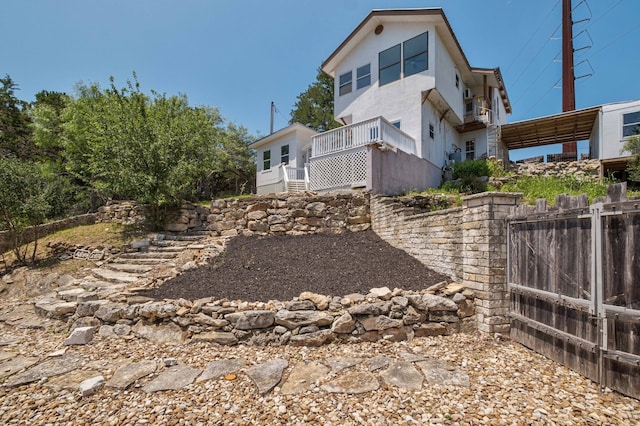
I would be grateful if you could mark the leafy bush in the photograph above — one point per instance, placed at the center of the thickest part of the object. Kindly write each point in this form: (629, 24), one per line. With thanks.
(470, 169)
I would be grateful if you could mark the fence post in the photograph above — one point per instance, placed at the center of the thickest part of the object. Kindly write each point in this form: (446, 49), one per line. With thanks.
(484, 254)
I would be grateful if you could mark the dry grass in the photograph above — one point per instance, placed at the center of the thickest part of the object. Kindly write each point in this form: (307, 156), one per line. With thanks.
(95, 236)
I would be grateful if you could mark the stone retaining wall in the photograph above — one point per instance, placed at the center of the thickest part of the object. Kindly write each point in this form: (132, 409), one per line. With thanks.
(273, 214)
(6, 237)
(469, 244)
(309, 320)
(582, 169)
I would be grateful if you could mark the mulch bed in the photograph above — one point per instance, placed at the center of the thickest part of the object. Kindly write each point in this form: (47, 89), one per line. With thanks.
(281, 267)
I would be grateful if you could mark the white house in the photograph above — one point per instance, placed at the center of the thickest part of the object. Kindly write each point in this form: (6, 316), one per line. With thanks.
(281, 158)
(410, 103)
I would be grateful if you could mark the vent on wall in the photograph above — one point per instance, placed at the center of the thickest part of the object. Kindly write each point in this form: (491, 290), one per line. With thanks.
(468, 94)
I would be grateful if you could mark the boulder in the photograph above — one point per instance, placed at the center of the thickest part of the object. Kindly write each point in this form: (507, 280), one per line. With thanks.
(344, 324)
(377, 308)
(251, 320)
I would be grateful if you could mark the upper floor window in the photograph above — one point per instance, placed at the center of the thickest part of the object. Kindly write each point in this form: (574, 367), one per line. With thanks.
(396, 124)
(266, 160)
(345, 83)
(415, 54)
(363, 76)
(390, 64)
(431, 131)
(457, 81)
(284, 154)
(631, 124)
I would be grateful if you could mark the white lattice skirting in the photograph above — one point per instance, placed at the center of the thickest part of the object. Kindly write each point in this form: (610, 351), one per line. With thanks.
(346, 169)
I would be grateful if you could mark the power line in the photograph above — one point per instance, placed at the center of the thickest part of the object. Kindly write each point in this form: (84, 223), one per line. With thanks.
(533, 35)
(636, 28)
(535, 57)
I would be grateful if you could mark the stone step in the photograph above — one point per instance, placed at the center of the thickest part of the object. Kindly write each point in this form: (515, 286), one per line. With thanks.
(149, 255)
(142, 261)
(186, 237)
(167, 249)
(129, 267)
(115, 276)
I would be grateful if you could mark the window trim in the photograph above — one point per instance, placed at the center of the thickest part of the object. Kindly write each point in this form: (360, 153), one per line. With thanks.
(283, 155)
(425, 52)
(360, 79)
(390, 65)
(266, 159)
(345, 85)
(633, 125)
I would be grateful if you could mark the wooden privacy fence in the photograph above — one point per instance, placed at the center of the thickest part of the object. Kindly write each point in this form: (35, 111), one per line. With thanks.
(573, 275)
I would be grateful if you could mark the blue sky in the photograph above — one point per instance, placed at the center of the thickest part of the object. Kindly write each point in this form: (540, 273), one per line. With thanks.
(239, 55)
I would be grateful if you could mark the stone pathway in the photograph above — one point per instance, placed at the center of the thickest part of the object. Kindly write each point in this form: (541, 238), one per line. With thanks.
(331, 375)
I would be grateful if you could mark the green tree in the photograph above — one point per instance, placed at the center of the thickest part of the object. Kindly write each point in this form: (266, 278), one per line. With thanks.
(633, 146)
(152, 149)
(15, 130)
(23, 204)
(314, 107)
(47, 117)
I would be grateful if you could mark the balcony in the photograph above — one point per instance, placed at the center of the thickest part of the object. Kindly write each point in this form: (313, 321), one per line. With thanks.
(477, 114)
(360, 134)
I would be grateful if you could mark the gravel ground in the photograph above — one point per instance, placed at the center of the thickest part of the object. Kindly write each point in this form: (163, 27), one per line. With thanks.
(281, 267)
(509, 385)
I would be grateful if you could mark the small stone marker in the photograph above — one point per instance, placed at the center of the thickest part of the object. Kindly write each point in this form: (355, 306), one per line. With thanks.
(80, 336)
(91, 386)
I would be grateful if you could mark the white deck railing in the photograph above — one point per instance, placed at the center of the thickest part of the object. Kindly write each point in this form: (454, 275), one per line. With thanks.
(299, 174)
(360, 134)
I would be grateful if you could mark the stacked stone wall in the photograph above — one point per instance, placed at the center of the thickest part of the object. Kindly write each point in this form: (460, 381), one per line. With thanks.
(581, 169)
(309, 320)
(6, 237)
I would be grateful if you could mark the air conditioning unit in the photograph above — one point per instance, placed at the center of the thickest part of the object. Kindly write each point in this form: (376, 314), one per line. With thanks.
(468, 94)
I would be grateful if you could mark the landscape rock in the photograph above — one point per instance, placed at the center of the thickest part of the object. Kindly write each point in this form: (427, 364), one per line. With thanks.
(91, 386)
(51, 367)
(344, 324)
(438, 372)
(376, 308)
(293, 319)
(250, 320)
(219, 337)
(381, 293)
(109, 312)
(321, 301)
(128, 374)
(157, 310)
(317, 338)
(353, 382)
(303, 377)
(219, 368)
(173, 378)
(80, 336)
(267, 375)
(379, 322)
(403, 375)
(166, 334)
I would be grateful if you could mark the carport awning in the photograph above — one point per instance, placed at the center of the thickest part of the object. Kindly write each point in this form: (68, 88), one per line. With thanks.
(569, 126)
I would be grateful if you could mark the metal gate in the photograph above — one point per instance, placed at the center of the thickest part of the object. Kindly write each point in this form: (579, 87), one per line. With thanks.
(574, 280)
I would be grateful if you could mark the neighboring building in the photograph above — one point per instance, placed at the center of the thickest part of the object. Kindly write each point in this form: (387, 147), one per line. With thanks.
(281, 160)
(606, 127)
(614, 125)
(410, 103)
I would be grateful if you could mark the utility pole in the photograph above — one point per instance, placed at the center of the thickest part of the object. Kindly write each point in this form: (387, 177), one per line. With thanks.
(568, 74)
(273, 109)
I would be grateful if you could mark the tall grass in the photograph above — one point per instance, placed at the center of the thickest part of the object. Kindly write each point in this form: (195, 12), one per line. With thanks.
(547, 187)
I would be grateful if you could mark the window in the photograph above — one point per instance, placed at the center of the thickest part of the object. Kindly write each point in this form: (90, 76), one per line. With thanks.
(389, 63)
(415, 54)
(470, 149)
(468, 108)
(363, 76)
(266, 160)
(431, 131)
(457, 81)
(631, 124)
(345, 83)
(396, 124)
(284, 154)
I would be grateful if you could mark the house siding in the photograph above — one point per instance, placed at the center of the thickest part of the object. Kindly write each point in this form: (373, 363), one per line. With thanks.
(611, 140)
